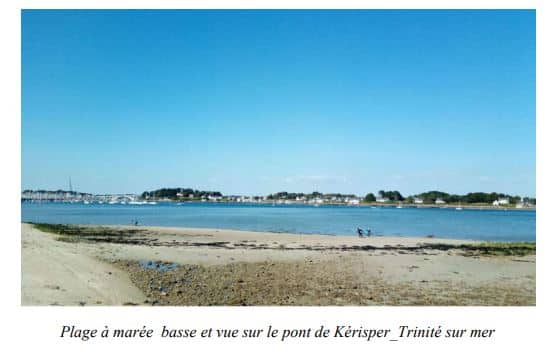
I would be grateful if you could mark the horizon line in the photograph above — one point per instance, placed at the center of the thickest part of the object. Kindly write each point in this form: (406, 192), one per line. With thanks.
(283, 191)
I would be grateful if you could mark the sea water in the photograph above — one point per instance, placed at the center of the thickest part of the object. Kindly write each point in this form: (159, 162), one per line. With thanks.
(494, 225)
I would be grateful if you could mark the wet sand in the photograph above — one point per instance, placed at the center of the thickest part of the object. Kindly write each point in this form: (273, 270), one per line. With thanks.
(185, 266)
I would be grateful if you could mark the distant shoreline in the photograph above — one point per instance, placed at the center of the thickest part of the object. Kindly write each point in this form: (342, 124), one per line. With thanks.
(266, 203)
(452, 206)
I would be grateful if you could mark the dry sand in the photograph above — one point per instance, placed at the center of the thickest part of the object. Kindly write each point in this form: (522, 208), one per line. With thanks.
(61, 273)
(223, 267)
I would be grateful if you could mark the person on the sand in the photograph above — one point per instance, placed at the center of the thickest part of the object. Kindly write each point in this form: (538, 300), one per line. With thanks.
(360, 232)
(368, 232)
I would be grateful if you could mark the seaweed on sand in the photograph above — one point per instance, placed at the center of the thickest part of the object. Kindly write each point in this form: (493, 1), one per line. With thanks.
(76, 233)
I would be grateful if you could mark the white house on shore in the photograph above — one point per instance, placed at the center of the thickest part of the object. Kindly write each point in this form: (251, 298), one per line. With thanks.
(382, 200)
(439, 201)
(501, 201)
(418, 201)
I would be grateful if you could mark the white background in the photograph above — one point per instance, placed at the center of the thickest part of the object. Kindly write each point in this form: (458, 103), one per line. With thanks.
(23, 329)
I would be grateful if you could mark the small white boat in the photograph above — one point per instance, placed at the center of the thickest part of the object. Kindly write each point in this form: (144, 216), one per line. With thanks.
(152, 203)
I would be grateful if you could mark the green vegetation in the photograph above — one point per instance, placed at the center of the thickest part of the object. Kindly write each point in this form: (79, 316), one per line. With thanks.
(369, 198)
(179, 194)
(391, 195)
(189, 194)
(470, 198)
(432, 196)
(475, 198)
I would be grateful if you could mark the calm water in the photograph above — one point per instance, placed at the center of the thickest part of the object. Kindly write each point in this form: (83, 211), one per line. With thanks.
(498, 225)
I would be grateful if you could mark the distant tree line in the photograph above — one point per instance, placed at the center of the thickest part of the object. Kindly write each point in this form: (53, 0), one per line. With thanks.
(179, 193)
(390, 195)
(432, 196)
(469, 198)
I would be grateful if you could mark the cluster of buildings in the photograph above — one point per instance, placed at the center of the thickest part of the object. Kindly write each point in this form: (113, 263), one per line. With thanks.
(320, 199)
(54, 196)
(75, 197)
(296, 200)
(417, 200)
(522, 203)
(267, 199)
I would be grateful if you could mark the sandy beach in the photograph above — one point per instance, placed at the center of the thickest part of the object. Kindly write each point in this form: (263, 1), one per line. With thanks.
(125, 265)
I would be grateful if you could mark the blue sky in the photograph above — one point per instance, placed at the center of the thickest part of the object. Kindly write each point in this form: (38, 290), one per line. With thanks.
(255, 102)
